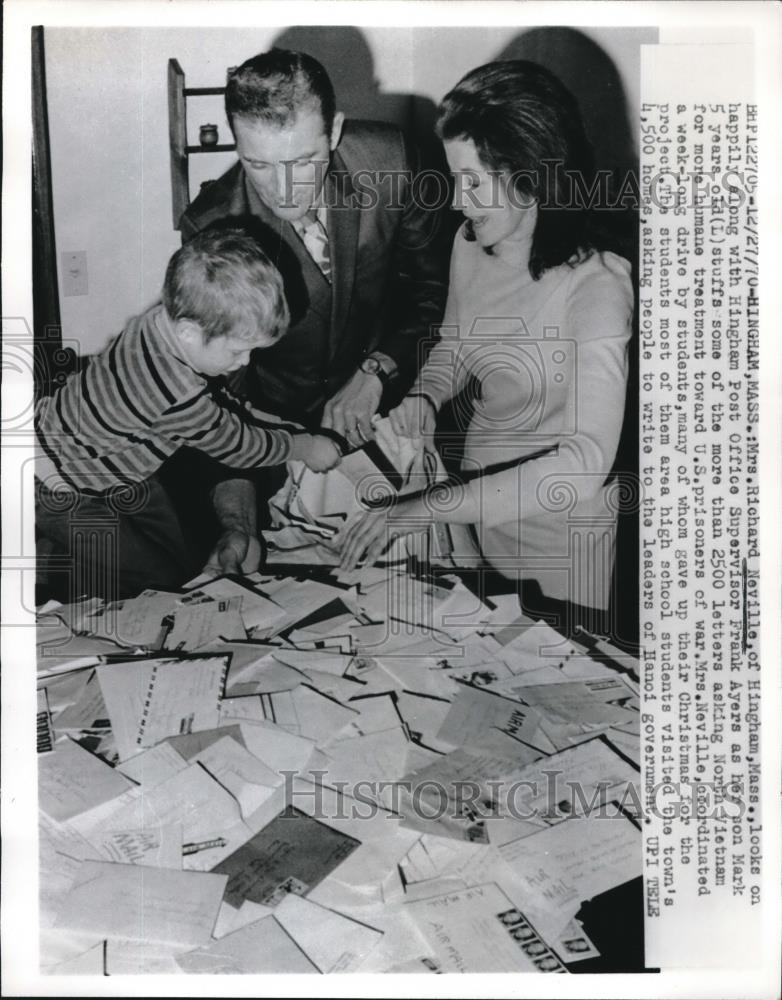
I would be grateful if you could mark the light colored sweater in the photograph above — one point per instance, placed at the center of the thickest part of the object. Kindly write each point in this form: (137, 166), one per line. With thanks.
(550, 359)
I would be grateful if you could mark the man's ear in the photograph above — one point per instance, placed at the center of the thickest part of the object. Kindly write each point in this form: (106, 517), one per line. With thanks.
(336, 130)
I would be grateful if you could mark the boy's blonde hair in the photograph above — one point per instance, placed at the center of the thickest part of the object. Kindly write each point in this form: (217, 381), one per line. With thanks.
(222, 280)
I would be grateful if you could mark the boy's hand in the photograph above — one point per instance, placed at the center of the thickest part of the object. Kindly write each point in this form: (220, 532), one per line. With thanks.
(319, 453)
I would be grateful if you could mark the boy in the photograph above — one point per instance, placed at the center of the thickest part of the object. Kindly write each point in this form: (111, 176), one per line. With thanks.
(104, 434)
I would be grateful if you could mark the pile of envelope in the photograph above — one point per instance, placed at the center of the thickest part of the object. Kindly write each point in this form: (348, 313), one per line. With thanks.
(366, 772)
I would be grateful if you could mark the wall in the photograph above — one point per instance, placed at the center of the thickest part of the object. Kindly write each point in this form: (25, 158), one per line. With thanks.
(108, 123)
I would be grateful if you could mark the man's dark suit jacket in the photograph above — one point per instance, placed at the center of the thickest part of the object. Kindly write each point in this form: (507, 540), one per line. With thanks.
(389, 259)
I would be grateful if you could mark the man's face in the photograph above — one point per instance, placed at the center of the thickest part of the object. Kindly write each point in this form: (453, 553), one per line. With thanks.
(287, 164)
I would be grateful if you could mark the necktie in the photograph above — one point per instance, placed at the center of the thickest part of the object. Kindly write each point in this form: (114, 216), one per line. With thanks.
(316, 241)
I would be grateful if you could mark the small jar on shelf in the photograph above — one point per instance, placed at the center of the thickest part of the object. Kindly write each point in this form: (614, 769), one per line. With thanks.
(207, 135)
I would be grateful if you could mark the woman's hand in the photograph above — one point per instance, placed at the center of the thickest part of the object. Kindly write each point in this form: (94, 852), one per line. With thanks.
(370, 534)
(366, 534)
(415, 418)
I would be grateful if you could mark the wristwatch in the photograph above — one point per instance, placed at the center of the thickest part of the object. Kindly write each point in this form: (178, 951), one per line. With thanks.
(372, 366)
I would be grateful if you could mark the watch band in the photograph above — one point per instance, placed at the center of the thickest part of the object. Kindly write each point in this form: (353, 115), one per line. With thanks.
(424, 395)
(372, 366)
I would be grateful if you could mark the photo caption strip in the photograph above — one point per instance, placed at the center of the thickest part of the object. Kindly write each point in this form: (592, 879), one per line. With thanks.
(699, 377)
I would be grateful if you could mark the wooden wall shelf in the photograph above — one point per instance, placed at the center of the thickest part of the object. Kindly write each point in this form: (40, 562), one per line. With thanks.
(179, 150)
(210, 149)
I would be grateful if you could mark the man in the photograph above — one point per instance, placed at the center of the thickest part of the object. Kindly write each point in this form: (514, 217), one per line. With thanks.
(343, 199)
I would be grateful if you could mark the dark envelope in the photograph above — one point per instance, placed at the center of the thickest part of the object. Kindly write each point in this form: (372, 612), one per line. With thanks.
(293, 853)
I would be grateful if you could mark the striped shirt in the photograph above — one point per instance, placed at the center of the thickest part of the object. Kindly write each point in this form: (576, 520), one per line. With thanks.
(136, 403)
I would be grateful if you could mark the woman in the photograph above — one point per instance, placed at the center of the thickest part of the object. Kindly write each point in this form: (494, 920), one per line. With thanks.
(540, 319)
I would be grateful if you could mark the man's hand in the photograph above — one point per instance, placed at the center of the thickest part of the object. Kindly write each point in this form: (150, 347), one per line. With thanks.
(236, 552)
(349, 412)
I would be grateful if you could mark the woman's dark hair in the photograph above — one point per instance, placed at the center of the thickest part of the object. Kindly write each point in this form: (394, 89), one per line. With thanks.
(274, 87)
(525, 123)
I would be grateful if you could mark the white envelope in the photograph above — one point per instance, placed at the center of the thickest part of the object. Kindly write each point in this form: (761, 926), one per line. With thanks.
(145, 904)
